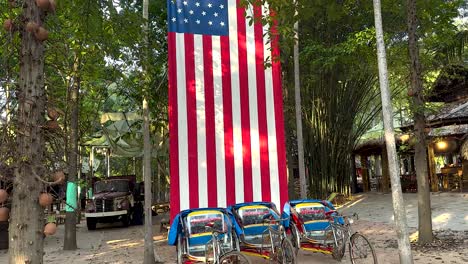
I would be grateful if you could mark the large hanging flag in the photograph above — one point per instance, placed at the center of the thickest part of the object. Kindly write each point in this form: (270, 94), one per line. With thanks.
(225, 107)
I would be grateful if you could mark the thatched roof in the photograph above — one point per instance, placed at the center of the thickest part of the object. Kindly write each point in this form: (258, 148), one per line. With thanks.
(451, 113)
(452, 130)
(451, 85)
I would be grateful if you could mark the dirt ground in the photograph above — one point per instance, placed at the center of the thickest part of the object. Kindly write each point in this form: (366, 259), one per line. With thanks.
(111, 243)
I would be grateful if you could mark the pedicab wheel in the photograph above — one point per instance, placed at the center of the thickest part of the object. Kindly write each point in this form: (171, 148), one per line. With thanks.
(287, 253)
(361, 250)
(180, 250)
(295, 238)
(234, 257)
(91, 223)
(340, 246)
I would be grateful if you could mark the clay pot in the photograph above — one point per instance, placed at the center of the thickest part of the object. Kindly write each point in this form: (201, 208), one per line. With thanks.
(41, 34)
(50, 229)
(8, 25)
(45, 199)
(59, 177)
(3, 195)
(52, 113)
(43, 4)
(4, 214)
(31, 27)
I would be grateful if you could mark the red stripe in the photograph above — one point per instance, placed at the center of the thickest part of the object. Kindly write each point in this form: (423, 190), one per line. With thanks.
(244, 101)
(280, 140)
(227, 113)
(191, 119)
(173, 127)
(210, 121)
(261, 105)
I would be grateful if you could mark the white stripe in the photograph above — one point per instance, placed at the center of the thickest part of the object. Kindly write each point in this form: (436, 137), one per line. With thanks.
(219, 122)
(254, 133)
(201, 122)
(236, 109)
(182, 123)
(271, 122)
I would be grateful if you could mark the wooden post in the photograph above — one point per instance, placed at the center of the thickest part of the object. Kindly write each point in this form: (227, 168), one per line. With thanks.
(432, 168)
(353, 174)
(385, 172)
(465, 174)
(365, 174)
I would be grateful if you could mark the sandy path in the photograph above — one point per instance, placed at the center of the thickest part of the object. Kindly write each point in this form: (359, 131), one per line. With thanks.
(114, 244)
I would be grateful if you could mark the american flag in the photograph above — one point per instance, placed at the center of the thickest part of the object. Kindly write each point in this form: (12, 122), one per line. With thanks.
(225, 107)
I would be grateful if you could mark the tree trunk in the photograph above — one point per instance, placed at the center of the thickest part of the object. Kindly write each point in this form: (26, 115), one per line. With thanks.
(420, 152)
(149, 256)
(300, 138)
(27, 217)
(399, 212)
(71, 207)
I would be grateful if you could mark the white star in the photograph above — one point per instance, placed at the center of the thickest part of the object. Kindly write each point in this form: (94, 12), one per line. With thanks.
(185, 2)
(210, 23)
(210, 5)
(179, 10)
(222, 24)
(198, 21)
(186, 20)
(221, 6)
(174, 19)
(191, 12)
(216, 14)
(203, 13)
(197, 4)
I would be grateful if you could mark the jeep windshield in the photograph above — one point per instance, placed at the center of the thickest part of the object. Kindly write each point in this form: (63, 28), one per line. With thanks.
(111, 186)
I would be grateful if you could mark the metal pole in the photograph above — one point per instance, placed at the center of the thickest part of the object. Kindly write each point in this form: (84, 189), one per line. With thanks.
(399, 211)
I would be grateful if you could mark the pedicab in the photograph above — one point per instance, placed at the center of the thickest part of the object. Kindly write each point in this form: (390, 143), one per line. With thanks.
(259, 227)
(316, 226)
(205, 235)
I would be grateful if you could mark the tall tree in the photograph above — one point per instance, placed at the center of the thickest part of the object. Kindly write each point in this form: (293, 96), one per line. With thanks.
(26, 223)
(149, 256)
(397, 195)
(72, 201)
(297, 99)
(418, 106)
